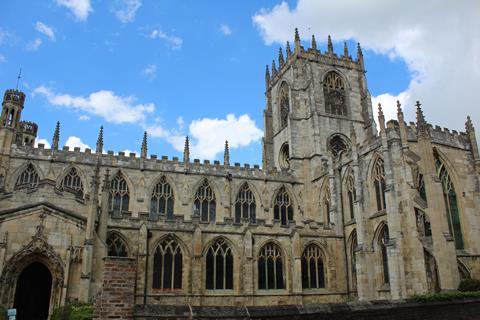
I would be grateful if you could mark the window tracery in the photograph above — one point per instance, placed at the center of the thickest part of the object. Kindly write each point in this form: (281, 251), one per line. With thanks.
(119, 195)
(351, 195)
(334, 93)
(116, 246)
(204, 202)
(167, 265)
(313, 274)
(28, 178)
(72, 181)
(219, 266)
(353, 258)
(379, 183)
(451, 204)
(270, 267)
(162, 200)
(245, 205)
(383, 241)
(337, 146)
(283, 207)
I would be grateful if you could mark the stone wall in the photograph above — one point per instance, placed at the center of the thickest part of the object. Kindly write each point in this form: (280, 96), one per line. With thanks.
(116, 298)
(400, 310)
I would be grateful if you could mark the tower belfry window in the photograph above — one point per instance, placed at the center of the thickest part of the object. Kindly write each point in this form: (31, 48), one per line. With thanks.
(334, 93)
(284, 105)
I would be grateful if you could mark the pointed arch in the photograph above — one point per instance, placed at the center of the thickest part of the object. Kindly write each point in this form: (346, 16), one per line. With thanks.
(451, 202)
(219, 266)
(335, 93)
(116, 245)
(352, 244)
(284, 104)
(119, 198)
(338, 144)
(283, 206)
(28, 177)
(351, 193)
(72, 181)
(326, 201)
(381, 240)
(379, 184)
(271, 267)
(168, 264)
(313, 267)
(205, 202)
(245, 204)
(162, 200)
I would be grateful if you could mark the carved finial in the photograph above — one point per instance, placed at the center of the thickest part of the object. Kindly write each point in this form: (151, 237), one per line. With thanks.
(345, 49)
(274, 69)
(469, 125)
(143, 153)
(330, 45)
(99, 148)
(267, 76)
(289, 51)
(226, 155)
(281, 61)
(359, 54)
(399, 107)
(420, 116)
(297, 40)
(380, 110)
(186, 151)
(56, 137)
(381, 117)
(314, 42)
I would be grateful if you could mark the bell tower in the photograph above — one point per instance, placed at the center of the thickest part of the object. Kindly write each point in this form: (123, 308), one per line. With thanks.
(314, 101)
(12, 106)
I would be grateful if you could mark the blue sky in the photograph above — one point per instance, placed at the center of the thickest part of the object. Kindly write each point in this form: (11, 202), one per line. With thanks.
(170, 67)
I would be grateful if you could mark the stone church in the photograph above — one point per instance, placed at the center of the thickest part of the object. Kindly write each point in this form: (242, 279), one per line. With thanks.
(340, 210)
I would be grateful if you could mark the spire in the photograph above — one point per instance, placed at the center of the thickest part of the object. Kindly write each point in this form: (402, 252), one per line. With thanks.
(330, 45)
(99, 148)
(345, 49)
(267, 77)
(281, 61)
(297, 40)
(226, 155)
(469, 125)
(143, 153)
(56, 137)
(381, 118)
(314, 42)
(359, 54)
(289, 51)
(186, 152)
(274, 69)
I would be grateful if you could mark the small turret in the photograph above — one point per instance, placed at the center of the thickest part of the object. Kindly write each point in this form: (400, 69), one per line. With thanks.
(297, 41)
(99, 147)
(186, 152)
(314, 43)
(274, 69)
(281, 60)
(56, 137)
(359, 55)
(289, 51)
(226, 155)
(143, 152)
(12, 106)
(26, 133)
(345, 50)
(330, 45)
(267, 77)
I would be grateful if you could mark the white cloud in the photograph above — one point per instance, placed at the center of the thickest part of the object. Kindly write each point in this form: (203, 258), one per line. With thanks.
(80, 8)
(150, 71)
(46, 30)
(173, 41)
(84, 117)
(180, 123)
(103, 103)
(439, 41)
(44, 141)
(125, 10)
(225, 29)
(74, 142)
(2, 58)
(34, 45)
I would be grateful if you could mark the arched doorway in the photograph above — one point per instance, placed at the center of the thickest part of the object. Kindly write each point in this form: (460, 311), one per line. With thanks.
(32, 294)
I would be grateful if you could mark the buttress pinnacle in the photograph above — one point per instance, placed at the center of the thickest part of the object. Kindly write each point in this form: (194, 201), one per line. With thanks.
(186, 151)
(330, 45)
(314, 42)
(143, 152)
(99, 147)
(281, 60)
(226, 155)
(56, 137)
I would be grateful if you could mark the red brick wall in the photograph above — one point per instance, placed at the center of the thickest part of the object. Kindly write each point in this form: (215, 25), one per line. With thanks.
(116, 298)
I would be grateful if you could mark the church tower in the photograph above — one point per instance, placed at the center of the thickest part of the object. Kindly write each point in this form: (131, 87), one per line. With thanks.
(313, 100)
(12, 106)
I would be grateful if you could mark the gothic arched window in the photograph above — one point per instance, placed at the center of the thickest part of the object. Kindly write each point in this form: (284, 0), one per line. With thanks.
(337, 146)
(284, 157)
(420, 184)
(270, 267)
(378, 176)
(450, 198)
(383, 239)
(116, 246)
(284, 105)
(204, 202)
(283, 207)
(313, 273)
(334, 93)
(351, 195)
(245, 205)
(72, 181)
(353, 258)
(119, 195)
(167, 265)
(28, 178)
(219, 266)
(326, 204)
(162, 199)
